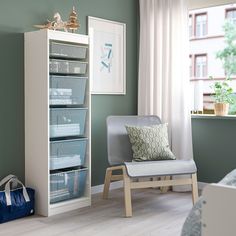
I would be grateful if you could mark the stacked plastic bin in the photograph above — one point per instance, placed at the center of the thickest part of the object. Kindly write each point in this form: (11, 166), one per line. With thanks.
(68, 115)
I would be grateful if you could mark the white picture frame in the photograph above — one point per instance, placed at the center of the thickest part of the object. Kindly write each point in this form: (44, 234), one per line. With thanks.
(107, 56)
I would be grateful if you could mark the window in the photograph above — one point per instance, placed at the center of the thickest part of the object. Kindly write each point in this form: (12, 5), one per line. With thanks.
(190, 26)
(200, 25)
(231, 15)
(208, 39)
(201, 66)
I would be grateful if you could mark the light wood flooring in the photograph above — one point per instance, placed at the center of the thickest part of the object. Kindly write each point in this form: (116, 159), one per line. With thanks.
(153, 214)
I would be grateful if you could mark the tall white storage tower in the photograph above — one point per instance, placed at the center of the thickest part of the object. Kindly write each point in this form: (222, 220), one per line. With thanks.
(57, 120)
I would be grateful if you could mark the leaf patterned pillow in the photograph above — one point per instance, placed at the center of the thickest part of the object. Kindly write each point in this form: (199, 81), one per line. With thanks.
(150, 143)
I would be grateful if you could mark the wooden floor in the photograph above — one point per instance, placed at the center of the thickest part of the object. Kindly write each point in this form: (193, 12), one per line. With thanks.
(153, 214)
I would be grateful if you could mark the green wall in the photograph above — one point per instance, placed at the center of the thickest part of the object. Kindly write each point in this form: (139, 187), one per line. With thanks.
(17, 17)
(214, 146)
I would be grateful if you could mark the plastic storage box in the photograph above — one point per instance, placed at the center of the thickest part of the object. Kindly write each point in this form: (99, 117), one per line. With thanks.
(67, 90)
(67, 184)
(57, 66)
(67, 153)
(67, 122)
(63, 50)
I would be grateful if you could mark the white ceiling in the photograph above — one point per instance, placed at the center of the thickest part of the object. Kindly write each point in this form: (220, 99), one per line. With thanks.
(194, 4)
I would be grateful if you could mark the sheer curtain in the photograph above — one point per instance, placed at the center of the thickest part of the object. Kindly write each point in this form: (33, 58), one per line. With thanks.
(164, 87)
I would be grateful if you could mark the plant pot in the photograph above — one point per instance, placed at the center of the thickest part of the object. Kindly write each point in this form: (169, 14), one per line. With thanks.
(221, 109)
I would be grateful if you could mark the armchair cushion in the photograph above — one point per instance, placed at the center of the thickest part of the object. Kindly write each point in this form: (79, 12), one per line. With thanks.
(160, 168)
(150, 143)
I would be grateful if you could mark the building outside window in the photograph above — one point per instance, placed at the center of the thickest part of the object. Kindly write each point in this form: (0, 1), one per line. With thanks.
(207, 27)
(200, 25)
(231, 15)
(200, 66)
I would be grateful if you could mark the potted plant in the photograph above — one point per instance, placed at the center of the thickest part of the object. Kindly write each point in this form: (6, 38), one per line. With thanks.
(223, 93)
(222, 97)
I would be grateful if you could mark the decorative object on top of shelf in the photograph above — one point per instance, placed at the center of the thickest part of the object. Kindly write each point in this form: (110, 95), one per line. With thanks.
(73, 23)
(58, 24)
(223, 92)
(108, 55)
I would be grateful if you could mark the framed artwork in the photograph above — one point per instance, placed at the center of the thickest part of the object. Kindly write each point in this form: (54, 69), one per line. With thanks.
(107, 56)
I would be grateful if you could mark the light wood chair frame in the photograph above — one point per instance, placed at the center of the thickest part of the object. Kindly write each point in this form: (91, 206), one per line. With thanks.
(129, 184)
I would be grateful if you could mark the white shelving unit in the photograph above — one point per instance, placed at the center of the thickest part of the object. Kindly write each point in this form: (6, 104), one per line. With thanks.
(40, 66)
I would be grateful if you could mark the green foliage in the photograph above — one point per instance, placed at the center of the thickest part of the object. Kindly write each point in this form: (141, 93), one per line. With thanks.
(232, 107)
(222, 90)
(228, 54)
(223, 93)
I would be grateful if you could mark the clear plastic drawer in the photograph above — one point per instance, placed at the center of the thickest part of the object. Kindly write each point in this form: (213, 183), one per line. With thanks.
(67, 122)
(67, 153)
(67, 90)
(67, 184)
(63, 50)
(57, 66)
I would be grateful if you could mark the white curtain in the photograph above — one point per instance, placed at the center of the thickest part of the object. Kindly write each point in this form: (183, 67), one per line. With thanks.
(164, 87)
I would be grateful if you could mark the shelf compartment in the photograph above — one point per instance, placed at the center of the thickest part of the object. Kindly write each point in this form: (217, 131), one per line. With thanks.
(67, 184)
(63, 50)
(67, 153)
(67, 122)
(65, 67)
(67, 90)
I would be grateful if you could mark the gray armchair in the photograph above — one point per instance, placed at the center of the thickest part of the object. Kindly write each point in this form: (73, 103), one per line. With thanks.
(120, 158)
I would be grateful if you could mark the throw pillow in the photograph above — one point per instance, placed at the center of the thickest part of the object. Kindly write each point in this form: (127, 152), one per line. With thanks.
(150, 143)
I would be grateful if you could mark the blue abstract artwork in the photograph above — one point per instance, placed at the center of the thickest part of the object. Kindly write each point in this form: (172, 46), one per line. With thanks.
(106, 57)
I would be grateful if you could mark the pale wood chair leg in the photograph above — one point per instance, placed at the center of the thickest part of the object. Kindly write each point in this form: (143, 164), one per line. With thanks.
(165, 189)
(107, 183)
(127, 194)
(194, 188)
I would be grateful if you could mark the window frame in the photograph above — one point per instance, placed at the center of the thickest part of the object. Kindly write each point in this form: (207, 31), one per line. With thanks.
(228, 10)
(195, 22)
(195, 67)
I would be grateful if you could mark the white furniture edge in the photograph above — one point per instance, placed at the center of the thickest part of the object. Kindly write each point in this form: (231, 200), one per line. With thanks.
(219, 210)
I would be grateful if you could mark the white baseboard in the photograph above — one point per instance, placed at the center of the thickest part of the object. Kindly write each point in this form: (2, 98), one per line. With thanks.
(113, 185)
(202, 185)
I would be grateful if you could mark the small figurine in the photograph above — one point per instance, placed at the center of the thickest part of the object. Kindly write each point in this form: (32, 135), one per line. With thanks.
(54, 25)
(73, 23)
(59, 23)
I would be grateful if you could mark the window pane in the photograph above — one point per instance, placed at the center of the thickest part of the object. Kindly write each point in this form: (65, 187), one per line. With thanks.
(201, 66)
(198, 30)
(201, 25)
(231, 15)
